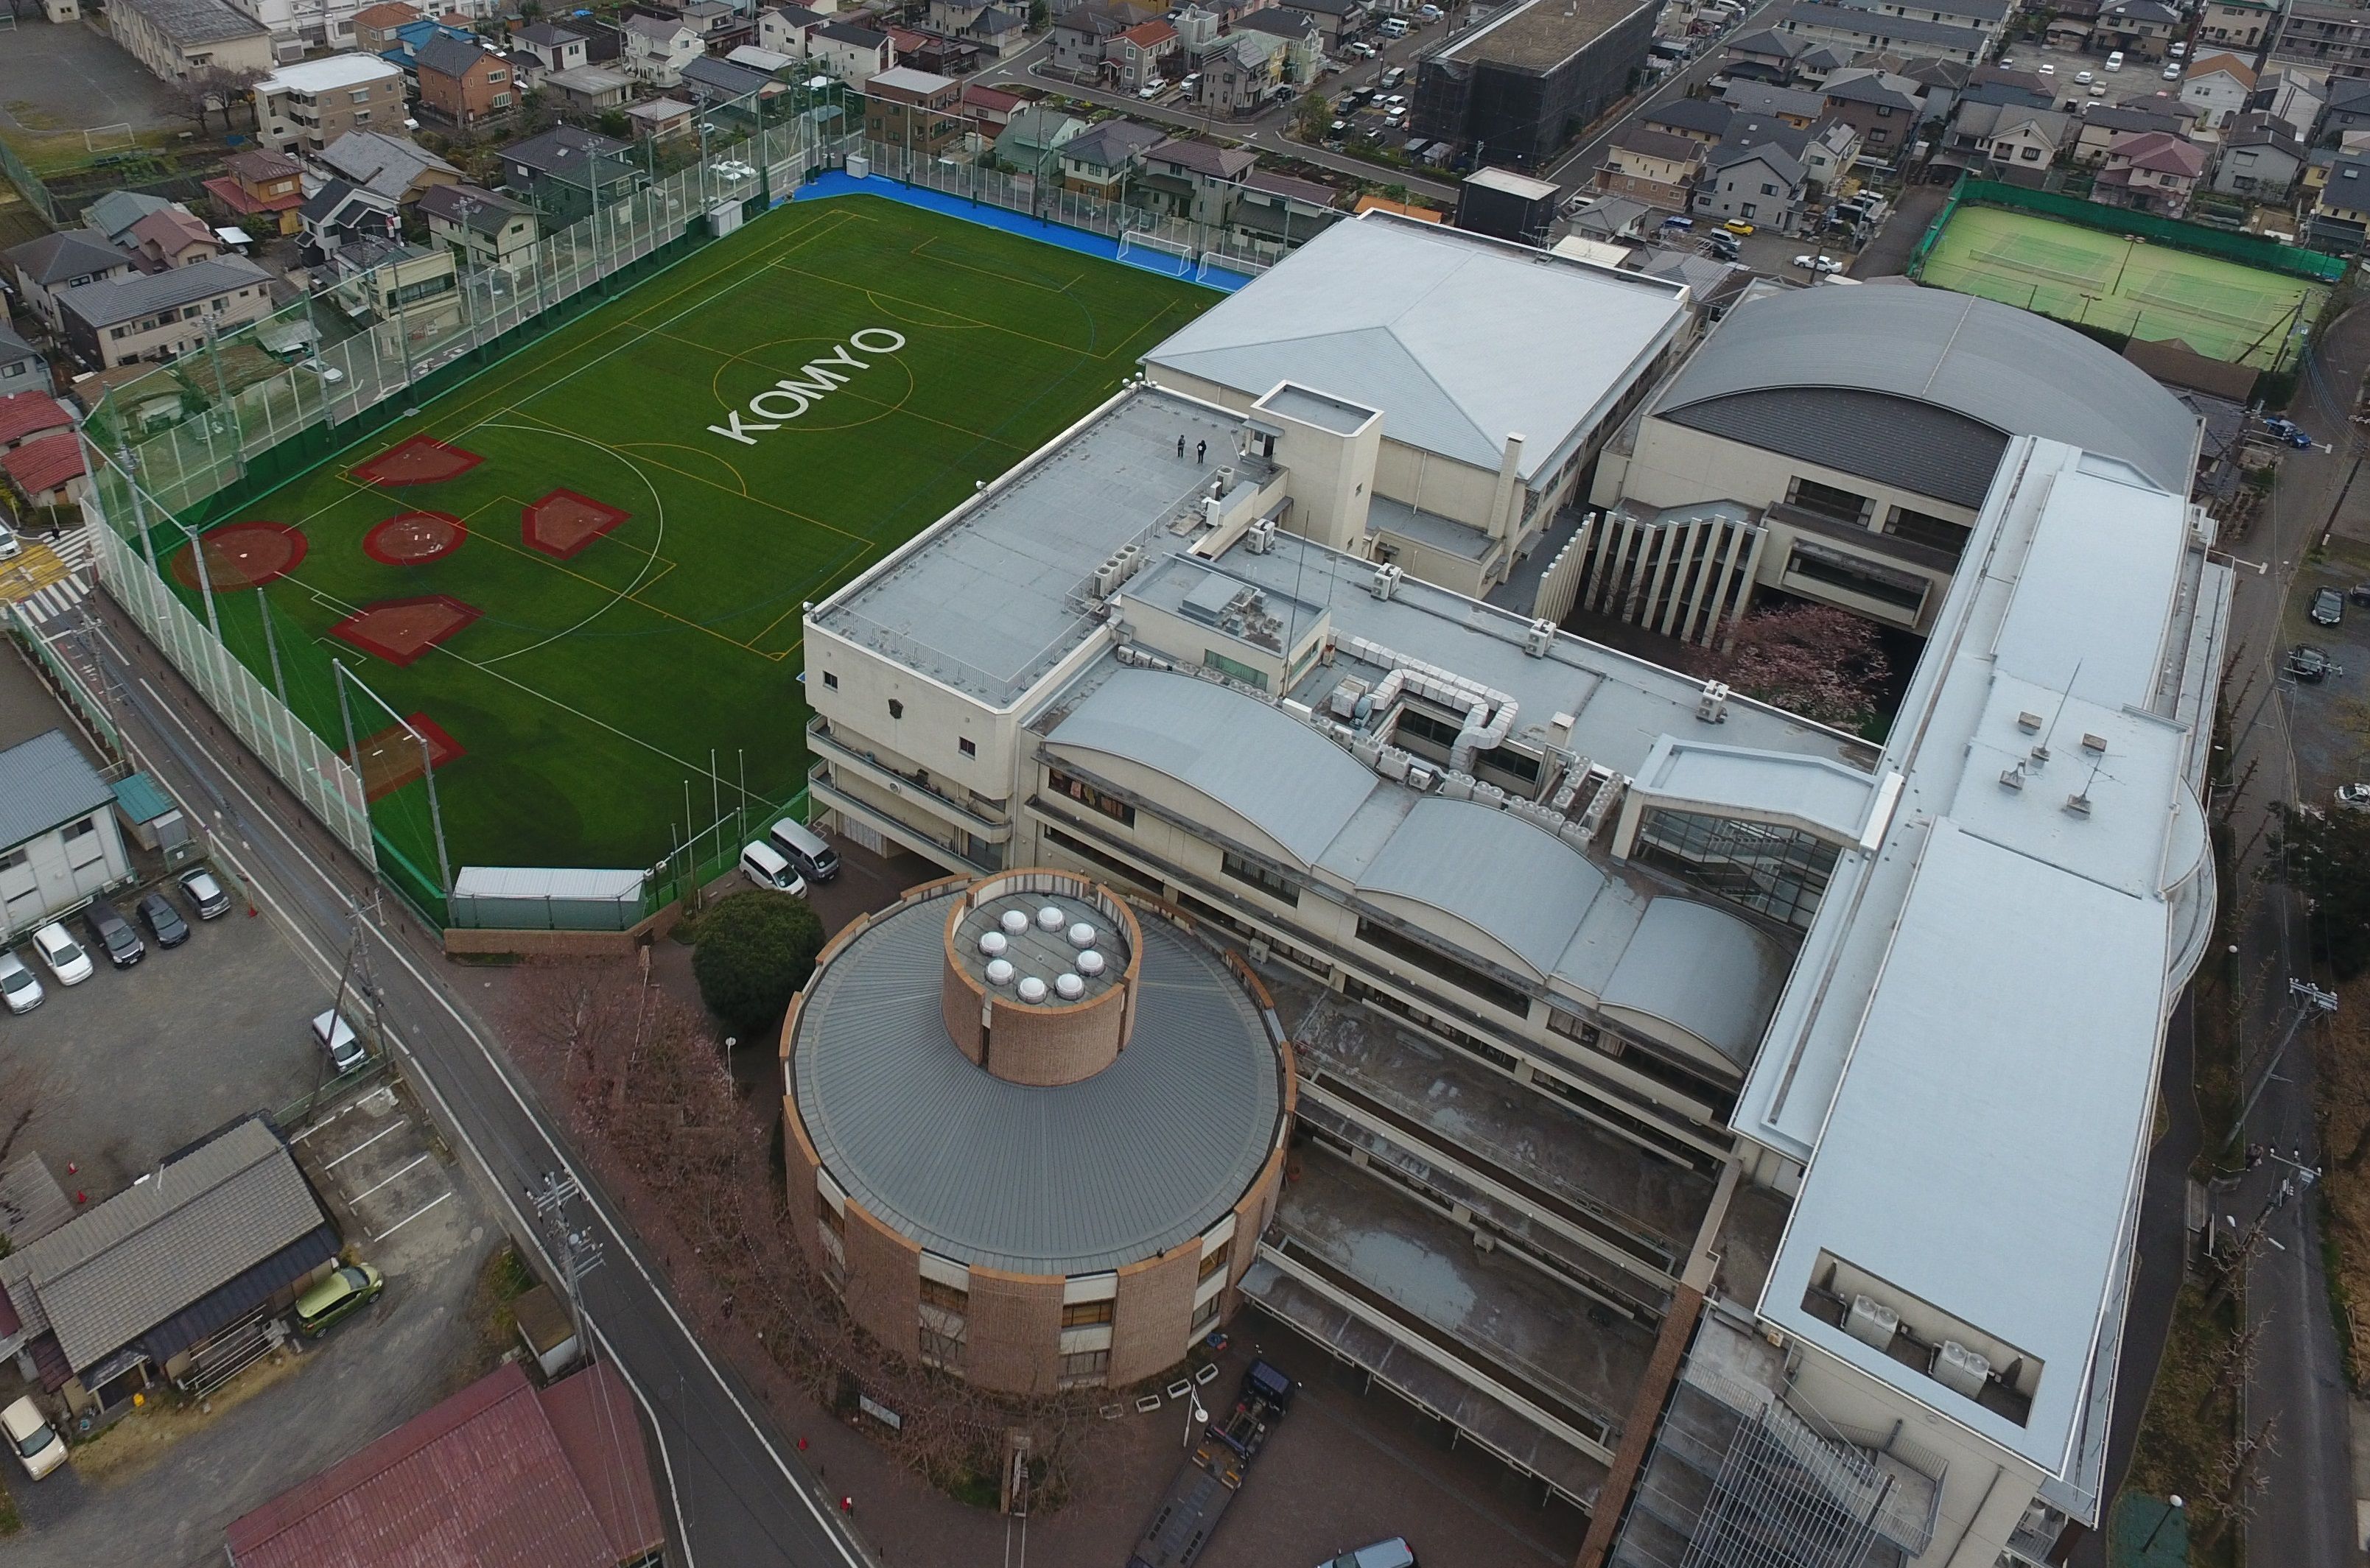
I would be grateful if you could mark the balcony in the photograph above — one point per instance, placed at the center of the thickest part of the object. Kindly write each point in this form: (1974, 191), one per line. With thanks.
(921, 841)
(820, 742)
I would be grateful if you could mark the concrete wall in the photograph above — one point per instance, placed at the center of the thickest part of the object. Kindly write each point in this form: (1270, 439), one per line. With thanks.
(58, 873)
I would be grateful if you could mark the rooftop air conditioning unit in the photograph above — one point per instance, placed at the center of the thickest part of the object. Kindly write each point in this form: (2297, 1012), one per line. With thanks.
(1539, 637)
(1386, 580)
(1419, 777)
(1872, 1321)
(1711, 706)
(1262, 537)
(1956, 1367)
(1344, 701)
(1392, 763)
(1106, 579)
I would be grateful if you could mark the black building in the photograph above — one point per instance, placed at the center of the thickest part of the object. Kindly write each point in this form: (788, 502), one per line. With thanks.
(1506, 205)
(1517, 90)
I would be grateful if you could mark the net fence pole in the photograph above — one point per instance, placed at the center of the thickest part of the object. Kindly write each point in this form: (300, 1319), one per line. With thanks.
(346, 716)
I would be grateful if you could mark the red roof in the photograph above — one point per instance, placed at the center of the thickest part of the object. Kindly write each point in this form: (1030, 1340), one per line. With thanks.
(29, 412)
(498, 1476)
(234, 195)
(1151, 35)
(42, 466)
(393, 14)
(990, 98)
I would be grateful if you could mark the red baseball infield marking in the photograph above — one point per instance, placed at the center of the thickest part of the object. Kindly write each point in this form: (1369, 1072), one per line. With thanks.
(564, 522)
(423, 460)
(400, 630)
(413, 538)
(245, 555)
(390, 759)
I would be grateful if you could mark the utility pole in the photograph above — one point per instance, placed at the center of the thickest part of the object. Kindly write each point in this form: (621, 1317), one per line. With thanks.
(2307, 1001)
(573, 1246)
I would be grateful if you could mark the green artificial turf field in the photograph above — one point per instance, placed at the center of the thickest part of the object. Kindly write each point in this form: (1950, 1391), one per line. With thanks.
(771, 416)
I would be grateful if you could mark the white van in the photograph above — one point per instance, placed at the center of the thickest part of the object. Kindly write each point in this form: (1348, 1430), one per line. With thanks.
(808, 854)
(763, 865)
(1393, 27)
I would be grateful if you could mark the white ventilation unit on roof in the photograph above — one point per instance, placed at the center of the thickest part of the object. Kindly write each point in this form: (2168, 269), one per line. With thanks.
(1872, 1321)
(1260, 537)
(1964, 1370)
(1711, 706)
(1537, 638)
(1386, 580)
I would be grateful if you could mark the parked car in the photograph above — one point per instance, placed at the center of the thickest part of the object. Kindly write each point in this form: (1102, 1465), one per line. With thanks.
(1721, 247)
(2046, 69)
(206, 895)
(18, 989)
(336, 1036)
(2115, 60)
(163, 920)
(2309, 664)
(112, 934)
(2287, 431)
(2084, 78)
(330, 373)
(1738, 227)
(2177, 50)
(2328, 607)
(1819, 264)
(2353, 797)
(350, 1288)
(1392, 1553)
(2097, 89)
(39, 1448)
(2172, 73)
(64, 955)
(10, 545)
(2360, 594)
(764, 866)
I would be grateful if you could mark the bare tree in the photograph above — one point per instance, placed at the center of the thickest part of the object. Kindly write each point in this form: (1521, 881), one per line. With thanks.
(1813, 660)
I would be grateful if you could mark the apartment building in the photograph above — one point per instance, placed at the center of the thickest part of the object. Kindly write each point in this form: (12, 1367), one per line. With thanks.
(915, 110)
(2335, 39)
(162, 315)
(174, 38)
(306, 106)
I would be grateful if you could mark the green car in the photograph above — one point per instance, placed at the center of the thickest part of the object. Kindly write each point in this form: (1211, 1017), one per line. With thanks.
(349, 1287)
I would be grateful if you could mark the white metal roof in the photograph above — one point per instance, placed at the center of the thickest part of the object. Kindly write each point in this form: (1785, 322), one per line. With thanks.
(1459, 339)
(328, 75)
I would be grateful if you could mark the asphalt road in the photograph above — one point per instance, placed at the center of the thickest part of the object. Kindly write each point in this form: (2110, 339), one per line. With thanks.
(737, 1492)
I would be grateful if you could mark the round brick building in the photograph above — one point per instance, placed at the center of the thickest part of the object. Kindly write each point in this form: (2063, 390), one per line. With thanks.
(1033, 1130)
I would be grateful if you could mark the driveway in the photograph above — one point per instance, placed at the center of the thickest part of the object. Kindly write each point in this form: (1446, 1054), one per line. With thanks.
(71, 78)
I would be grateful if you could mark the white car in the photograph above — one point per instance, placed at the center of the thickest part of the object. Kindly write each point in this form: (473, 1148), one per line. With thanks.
(39, 1450)
(330, 373)
(2177, 50)
(2172, 73)
(1819, 264)
(2046, 69)
(2097, 89)
(18, 989)
(2353, 797)
(2084, 77)
(62, 954)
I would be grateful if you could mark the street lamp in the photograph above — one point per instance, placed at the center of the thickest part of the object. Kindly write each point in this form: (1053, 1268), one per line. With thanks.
(2172, 1507)
(1195, 1417)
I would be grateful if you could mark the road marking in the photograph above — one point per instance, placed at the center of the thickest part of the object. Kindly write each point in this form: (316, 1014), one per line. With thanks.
(414, 1214)
(341, 1110)
(355, 1201)
(401, 1121)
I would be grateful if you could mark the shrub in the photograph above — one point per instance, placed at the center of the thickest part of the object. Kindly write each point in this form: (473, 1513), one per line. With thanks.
(753, 953)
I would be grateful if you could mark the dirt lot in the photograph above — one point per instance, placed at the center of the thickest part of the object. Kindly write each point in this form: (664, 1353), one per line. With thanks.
(72, 77)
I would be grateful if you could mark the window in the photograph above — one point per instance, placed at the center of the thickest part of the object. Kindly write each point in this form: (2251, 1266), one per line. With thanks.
(76, 830)
(1086, 1367)
(1084, 1314)
(2031, 154)
(1924, 528)
(1768, 190)
(496, 78)
(1828, 501)
(968, 748)
(832, 1219)
(1072, 844)
(15, 860)
(1778, 872)
(1235, 668)
(501, 100)
(1280, 888)
(362, 116)
(360, 95)
(1087, 794)
(831, 680)
(1215, 1258)
(1441, 966)
(946, 1298)
(1749, 210)
(1839, 569)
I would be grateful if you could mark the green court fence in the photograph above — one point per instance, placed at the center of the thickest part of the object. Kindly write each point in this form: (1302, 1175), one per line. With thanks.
(2246, 251)
(29, 185)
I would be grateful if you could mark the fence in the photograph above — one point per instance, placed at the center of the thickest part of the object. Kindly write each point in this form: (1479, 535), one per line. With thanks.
(28, 186)
(2246, 251)
(63, 680)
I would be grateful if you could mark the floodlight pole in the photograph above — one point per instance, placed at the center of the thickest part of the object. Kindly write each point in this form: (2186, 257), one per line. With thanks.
(346, 712)
(435, 813)
(205, 579)
(272, 644)
(139, 514)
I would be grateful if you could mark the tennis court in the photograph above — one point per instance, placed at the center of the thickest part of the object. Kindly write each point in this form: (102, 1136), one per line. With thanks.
(580, 573)
(2223, 310)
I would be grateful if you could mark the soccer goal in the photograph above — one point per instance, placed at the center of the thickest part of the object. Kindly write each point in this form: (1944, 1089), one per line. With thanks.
(1170, 257)
(108, 138)
(1219, 262)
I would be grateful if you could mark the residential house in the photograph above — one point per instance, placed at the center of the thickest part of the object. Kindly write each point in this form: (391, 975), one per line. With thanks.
(172, 236)
(563, 1466)
(1939, 82)
(721, 27)
(45, 268)
(998, 29)
(175, 38)
(340, 213)
(464, 84)
(564, 171)
(2296, 99)
(2140, 29)
(2152, 171)
(2219, 86)
(2347, 107)
(1834, 147)
(113, 212)
(990, 110)
(2241, 26)
(1082, 36)
(1145, 52)
(2070, 32)
(310, 104)
(1697, 119)
(854, 55)
(48, 471)
(387, 161)
(1029, 142)
(1985, 16)
(1099, 161)
(555, 49)
(45, 467)
(1612, 219)
(1757, 184)
(590, 89)
(1884, 108)
(783, 28)
(712, 80)
(1813, 23)
(2333, 38)
(915, 110)
(413, 36)
(1337, 21)
(486, 227)
(1767, 55)
(60, 845)
(21, 364)
(2339, 221)
(2260, 159)
(657, 48)
(28, 413)
(1277, 214)
(376, 26)
(1820, 61)
(1652, 167)
(1304, 43)
(1200, 180)
(660, 118)
(259, 190)
(2010, 142)
(1797, 108)
(191, 1261)
(389, 280)
(2098, 129)
(1241, 75)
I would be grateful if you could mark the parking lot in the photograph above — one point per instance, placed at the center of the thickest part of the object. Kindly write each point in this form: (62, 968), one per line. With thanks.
(2139, 79)
(373, 1162)
(2329, 742)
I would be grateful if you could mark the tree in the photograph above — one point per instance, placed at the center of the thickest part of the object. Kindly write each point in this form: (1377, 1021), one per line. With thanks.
(753, 953)
(1314, 117)
(1813, 660)
(2325, 856)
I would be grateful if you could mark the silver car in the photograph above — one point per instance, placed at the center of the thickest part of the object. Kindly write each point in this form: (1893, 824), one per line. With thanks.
(19, 987)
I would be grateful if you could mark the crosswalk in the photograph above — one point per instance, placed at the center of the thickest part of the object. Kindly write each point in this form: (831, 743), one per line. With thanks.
(49, 579)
